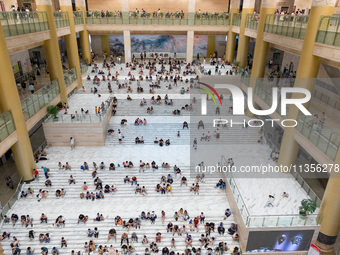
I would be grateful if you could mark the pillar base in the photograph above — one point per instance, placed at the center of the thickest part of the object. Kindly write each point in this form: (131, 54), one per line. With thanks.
(326, 244)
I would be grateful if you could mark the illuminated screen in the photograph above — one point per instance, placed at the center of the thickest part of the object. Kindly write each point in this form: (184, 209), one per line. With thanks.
(270, 241)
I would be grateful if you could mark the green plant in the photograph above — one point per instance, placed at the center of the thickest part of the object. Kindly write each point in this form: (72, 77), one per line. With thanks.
(161, 14)
(307, 206)
(135, 15)
(176, 14)
(96, 14)
(110, 14)
(198, 16)
(148, 14)
(211, 16)
(221, 16)
(53, 110)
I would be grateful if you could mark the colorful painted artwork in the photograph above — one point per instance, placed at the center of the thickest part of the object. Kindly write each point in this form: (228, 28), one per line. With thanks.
(158, 43)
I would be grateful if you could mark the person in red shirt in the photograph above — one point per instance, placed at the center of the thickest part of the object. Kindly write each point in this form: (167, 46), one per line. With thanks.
(36, 174)
(196, 221)
(134, 180)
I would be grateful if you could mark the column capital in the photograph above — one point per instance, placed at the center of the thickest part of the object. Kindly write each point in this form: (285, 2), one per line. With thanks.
(65, 2)
(248, 4)
(43, 2)
(330, 3)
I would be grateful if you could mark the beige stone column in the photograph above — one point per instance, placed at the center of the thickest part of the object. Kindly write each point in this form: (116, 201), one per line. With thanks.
(71, 41)
(125, 11)
(190, 46)
(231, 40)
(191, 12)
(84, 35)
(243, 41)
(9, 100)
(127, 46)
(52, 49)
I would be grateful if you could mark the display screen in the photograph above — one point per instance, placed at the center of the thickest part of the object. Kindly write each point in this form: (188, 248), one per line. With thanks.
(270, 241)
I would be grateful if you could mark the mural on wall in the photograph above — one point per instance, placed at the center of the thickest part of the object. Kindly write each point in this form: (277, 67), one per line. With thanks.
(158, 43)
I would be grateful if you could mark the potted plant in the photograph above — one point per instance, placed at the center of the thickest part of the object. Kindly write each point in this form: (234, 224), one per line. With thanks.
(97, 14)
(161, 14)
(198, 16)
(307, 206)
(53, 110)
(135, 15)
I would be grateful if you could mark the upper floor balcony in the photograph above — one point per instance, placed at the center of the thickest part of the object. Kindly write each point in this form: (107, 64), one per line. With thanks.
(329, 31)
(287, 25)
(252, 21)
(78, 18)
(19, 23)
(147, 18)
(237, 19)
(7, 126)
(61, 19)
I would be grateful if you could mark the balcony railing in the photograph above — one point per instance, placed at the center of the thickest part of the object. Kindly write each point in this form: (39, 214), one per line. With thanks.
(70, 76)
(19, 23)
(263, 89)
(83, 118)
(61, 19)
(212, 19)
(7, 126)
(329, 31)
(96, 18)
(83, 66)
(39, 99)
(325, 139)
(282, 220)
(156, 19)
(236, 19)
(78, 18)
(252, 21)
(286, 25)
(333, 103)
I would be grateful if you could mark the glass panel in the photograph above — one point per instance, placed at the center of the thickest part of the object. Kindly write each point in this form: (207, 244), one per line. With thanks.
(18, 23)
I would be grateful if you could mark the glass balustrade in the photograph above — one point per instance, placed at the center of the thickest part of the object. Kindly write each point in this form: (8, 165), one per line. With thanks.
(271, 220)
(7, 126)
(148, 18)
(61, 19)
(329, 31)
(287, 25)
(19, 23)
(325, 139)
(35, 102)
(212, 19)
(78, 18)
(236, 19)
(252, 21)
(82, 118)
(70, 76)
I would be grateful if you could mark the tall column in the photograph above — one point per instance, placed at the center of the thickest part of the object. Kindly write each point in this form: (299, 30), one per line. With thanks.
(190, 46)
(84, 35)
(211, 45)
(125, 11)
(231, 40)
(243, 41)
(127, 46)
(329, 214)
(305, 76)
(71, 41)
(191, 12)
(261, 47)
(106, 44)
(9, 100)
(52, 49)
